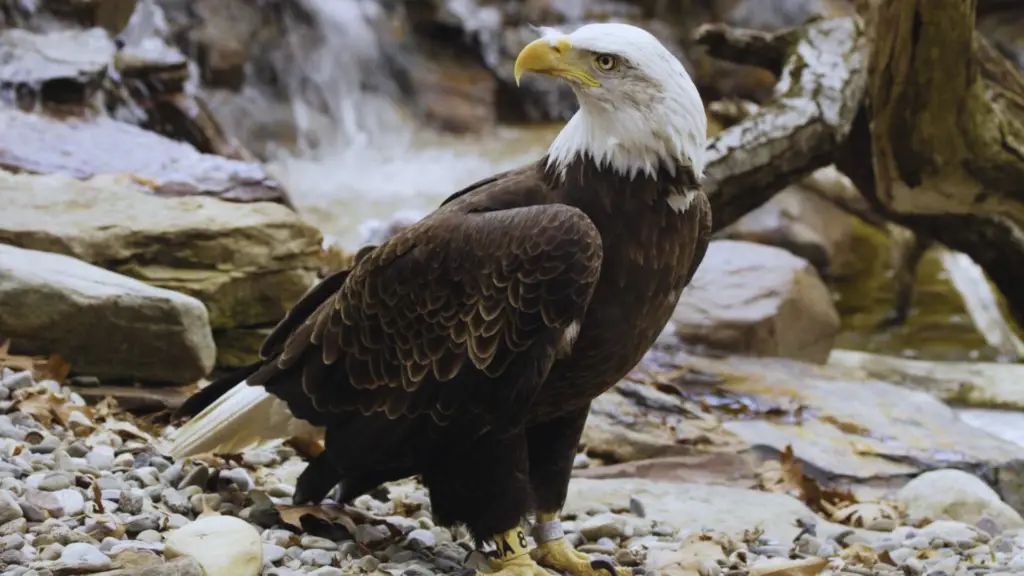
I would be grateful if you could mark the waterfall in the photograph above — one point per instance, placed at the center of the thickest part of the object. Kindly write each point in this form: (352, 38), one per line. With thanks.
(367, 158)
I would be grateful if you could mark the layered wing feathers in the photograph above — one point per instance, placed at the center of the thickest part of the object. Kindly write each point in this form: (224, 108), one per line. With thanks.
(454, 313)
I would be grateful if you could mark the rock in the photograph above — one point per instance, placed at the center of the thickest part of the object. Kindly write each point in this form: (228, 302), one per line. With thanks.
(221, 544)
(86, 556)
(69, 502)
(184, 566)
(803, 223)
(758, 300)
(843, 426)
(248, 263)
(982, 384)
(59, 67)
(101, 457)
(955, 495)
(53, 303)
(86, 147)
(318, 543)
(692, 507)
(9, 509)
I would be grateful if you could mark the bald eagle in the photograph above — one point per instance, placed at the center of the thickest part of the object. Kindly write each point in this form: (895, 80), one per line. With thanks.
(466, 349)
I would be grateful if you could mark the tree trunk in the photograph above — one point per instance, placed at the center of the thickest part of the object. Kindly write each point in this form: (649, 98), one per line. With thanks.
(934, 143)
(944, 125)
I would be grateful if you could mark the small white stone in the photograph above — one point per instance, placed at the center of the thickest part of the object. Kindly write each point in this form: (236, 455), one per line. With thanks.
(101, 457)
(272, 553)
(82, 553)
(223, 545)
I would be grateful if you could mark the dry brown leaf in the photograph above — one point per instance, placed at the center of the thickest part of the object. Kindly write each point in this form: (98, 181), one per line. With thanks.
(127, 430)
(97, 495)
(859, 555)
(292, 515)
(787, 477)
(51, 367)
(865, 514)
(47, 407)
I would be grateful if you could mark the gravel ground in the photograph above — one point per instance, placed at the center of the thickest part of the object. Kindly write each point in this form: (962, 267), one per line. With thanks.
(93, 496)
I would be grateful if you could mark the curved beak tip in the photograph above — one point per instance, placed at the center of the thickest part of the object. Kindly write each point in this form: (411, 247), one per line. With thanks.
(539, 56)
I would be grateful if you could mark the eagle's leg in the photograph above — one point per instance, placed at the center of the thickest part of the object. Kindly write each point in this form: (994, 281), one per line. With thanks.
(487, 489)
(552, 449)
(316, 481)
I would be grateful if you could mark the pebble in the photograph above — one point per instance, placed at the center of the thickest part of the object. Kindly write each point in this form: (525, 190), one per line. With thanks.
(87, 554)
(54, 482)
(316, 542)
(101, 457)
(421, 538)
(369, 533)
(152, 507)
(316, 557)
(273, 553)
(9, 508)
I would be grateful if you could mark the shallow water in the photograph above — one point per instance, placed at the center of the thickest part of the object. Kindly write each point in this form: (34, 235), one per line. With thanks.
(348, 185)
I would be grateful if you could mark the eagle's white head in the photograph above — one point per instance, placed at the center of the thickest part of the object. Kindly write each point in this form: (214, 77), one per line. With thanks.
(639, 109)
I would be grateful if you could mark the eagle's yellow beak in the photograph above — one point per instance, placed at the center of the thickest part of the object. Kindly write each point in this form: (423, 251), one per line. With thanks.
(558, 60)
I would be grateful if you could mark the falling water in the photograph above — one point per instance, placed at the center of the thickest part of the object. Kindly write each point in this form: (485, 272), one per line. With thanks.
(372, 159)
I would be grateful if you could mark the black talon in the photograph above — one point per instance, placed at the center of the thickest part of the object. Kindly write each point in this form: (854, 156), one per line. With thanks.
(604, 564)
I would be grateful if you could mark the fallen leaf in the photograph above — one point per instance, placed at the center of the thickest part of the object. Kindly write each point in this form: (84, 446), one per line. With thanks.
(292, 515)
(866, 514)
(859, 555)
(127, 430)
(347, 516)
(51, 367)
(47, 407)
(787, 477)
(97, 495)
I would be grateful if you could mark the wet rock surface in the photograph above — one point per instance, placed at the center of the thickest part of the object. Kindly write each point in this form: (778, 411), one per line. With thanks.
(51, 303)
(728, 414)
(84, 147)
(758, 300)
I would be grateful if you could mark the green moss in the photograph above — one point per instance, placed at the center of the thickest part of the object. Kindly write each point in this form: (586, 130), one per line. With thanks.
(238, 347)
(938, 327)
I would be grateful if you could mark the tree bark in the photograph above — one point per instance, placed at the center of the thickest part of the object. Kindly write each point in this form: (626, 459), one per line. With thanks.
(823, 74)
(944, 125)
(935, 143)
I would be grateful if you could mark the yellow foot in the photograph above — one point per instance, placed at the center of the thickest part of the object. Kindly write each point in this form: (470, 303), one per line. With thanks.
(518, 566)
(558, 554)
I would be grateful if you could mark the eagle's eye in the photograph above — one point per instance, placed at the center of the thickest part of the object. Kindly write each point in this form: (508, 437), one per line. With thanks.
(605, 62)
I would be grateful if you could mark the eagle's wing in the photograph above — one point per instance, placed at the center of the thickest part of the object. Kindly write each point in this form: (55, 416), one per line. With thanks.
(463, 311)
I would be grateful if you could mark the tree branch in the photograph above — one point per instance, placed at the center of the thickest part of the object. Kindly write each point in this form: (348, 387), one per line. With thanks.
(743, 46)
(820, 89)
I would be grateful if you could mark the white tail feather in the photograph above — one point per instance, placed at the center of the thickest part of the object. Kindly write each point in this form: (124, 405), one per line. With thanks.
(243, 417)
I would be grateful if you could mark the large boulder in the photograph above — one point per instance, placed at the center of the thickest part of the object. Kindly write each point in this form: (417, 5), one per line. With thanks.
(803, 223)
(247, 262)
(102, 323)
(759, 300)
(84, 147)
